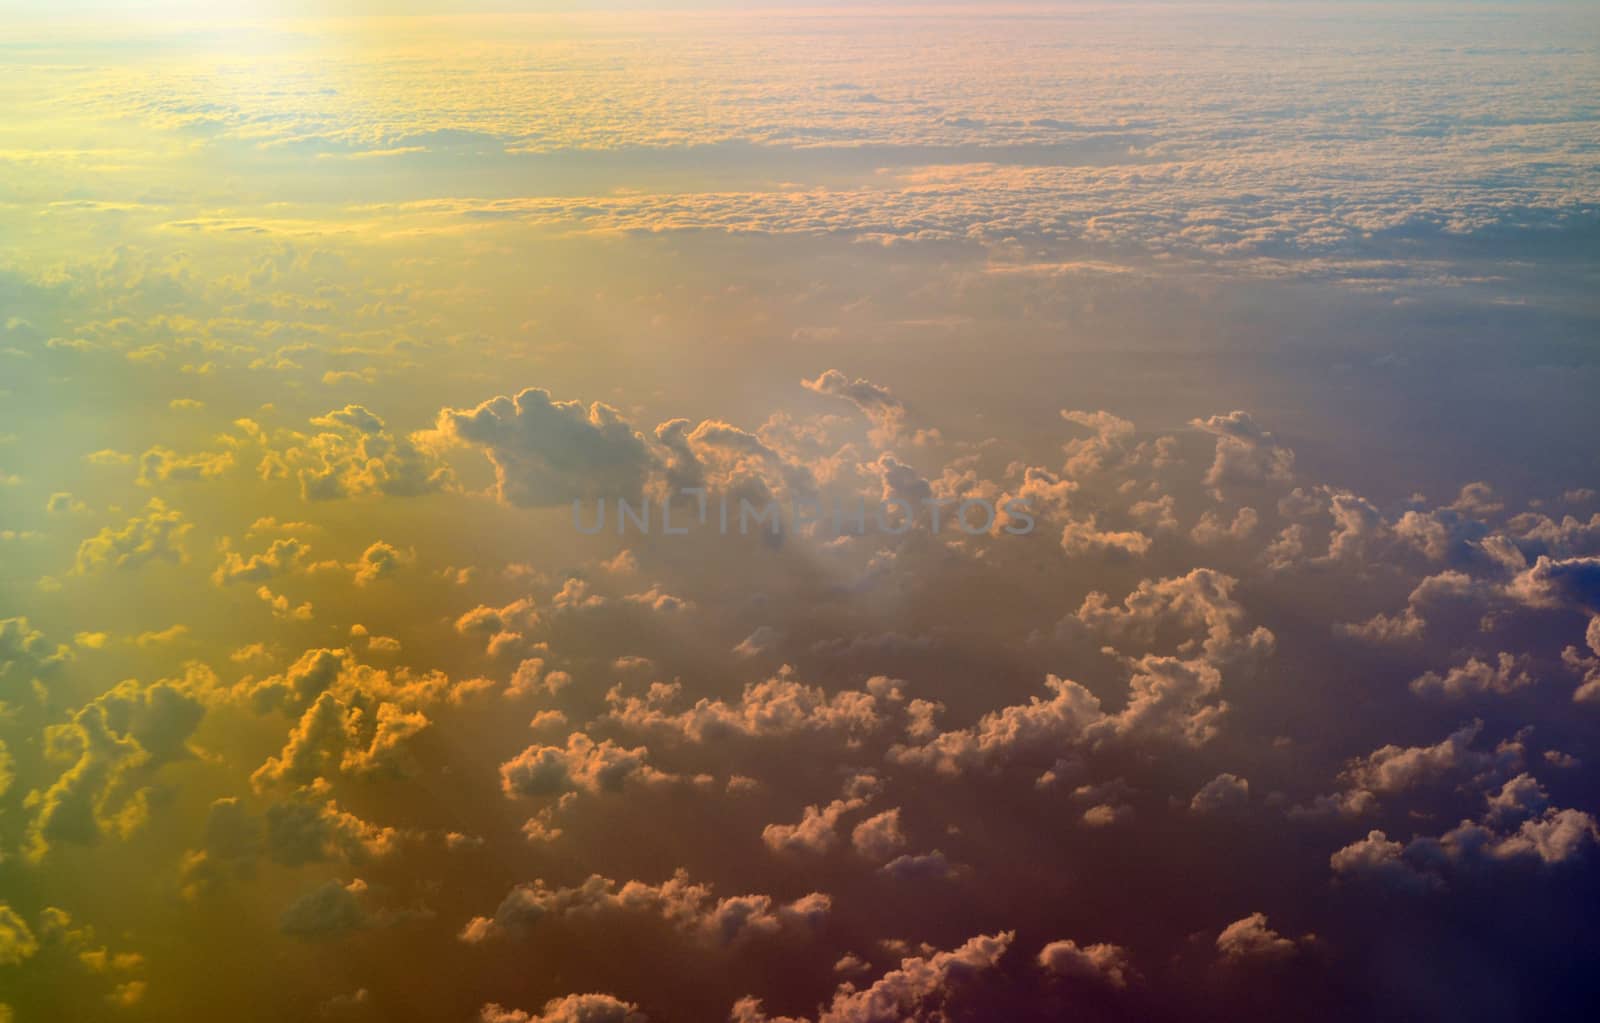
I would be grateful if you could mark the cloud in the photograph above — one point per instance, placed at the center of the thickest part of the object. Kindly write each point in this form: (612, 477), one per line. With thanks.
(17, 942)
(778, 706)
(283, 557)
(1569, 582)
(379, 561)
(918, 991)
(590, 1008)
(1082, 536)
(305, 830)
(734, 464)
(1432, 594)
(818, 831)
(1246, 453)
(232, 844)
(1223, 793)
(1393, 769)
(155, 536)
(327, 910)
(1183, 595)
(1200, 603)
(24, 650)
(690, 907)
(1517, 800)
(112, 746)
(355, 455)
(1211, 530)
(929, 866)
(1588, 690)
(1111, 442)
(583, 765)
(886, 412)
(1475, 677)
(1250, 940)
(758, 642)
(1169, 700)
(1376, 858)
(1546, 838)
(503, 628)
(163, 465)
(1101, 963)
(547, 453)
(313, 747)
(879, 837)
(363, 735)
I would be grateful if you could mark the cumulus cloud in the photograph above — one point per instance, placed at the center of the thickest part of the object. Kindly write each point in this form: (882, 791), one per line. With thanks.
(352, 718)
(162, 465)
(17, 941)
(1200, 604)
(589, 1008)
(886, 412)
(758, 642)
(25, 655)
(1246, 452)
(327, 910)
(1223, 793)
(928, 866)
(1110, 440)
(547, 452)
(1169, 700)
(111, 746)
(690, 907)
(1182, 593)
(1250, 940)
(879, 837)
(354, 454)
(500, 628)
(1431, 595)
(1083, 536)
(781, 705)
(379, 561)
(918, 991)
(283, 557)
(1565, 582)
(1102, 963)
(1393, 768)
(1474, 677)
(582, 765)
(1547, 838)
(1588, 667)
(155, 536)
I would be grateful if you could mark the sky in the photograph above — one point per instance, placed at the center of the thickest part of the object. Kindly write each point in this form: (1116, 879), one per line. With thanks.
(1220, 639)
